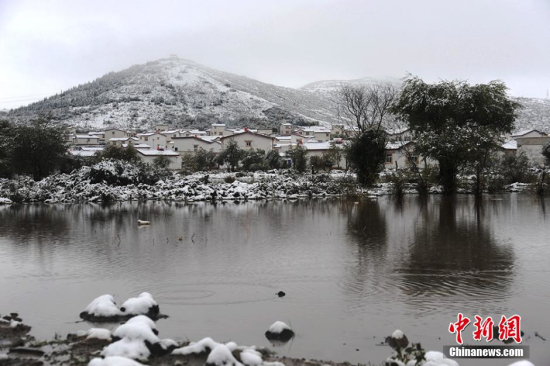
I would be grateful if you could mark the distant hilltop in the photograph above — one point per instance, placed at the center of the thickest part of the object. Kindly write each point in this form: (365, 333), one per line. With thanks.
(184, 93)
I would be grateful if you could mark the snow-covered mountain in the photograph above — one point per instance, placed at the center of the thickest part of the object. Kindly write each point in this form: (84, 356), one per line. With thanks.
(184, 93)
(181, 93)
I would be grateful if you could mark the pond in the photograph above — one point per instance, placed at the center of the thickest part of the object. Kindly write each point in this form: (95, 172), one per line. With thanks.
(352, 272)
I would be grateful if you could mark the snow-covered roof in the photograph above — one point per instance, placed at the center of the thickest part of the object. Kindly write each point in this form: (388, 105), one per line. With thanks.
(510, 145)
(241, 130)
(287, 124)
(207, 139)
(525, 132)
(315, 129)
(146, 134)
(397, 131)
(83, 153)
(218, 124)
(396, 145)
(172, 131)
(249, 132)
(86, 137)
(317, 145)
(283, 138)
(154, 152)
(99, 133)
(138, 146)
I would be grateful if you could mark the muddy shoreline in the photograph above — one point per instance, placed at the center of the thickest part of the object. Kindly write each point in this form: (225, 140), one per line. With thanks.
(19, 348)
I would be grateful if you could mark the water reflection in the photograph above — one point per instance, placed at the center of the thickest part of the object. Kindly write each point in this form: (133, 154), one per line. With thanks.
(454, 256)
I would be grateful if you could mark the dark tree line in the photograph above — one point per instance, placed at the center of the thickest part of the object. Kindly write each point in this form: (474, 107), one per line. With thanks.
(37, 149)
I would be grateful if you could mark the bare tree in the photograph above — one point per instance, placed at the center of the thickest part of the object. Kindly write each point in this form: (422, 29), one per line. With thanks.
(366, 107)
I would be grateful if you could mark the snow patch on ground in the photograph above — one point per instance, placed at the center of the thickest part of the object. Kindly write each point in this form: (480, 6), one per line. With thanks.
(98, 333)
(113, 361)
(202, 346)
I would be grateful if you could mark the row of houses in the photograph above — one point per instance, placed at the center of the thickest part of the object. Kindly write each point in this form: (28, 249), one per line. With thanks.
(317, 140)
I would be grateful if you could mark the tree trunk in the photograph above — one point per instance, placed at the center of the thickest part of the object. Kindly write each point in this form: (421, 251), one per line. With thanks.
(447, 177)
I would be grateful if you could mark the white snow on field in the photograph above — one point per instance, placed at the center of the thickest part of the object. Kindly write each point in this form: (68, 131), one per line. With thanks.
(278, 327)
(113, 361)
(103, 305)
(129, 348)
(140, 304)
(98, 333)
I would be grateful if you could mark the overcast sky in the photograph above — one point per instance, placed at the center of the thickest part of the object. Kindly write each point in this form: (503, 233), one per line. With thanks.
(47, 46)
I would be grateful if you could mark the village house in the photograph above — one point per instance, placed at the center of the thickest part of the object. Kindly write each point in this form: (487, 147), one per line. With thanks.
(321, 148)
(219, 129)
(86, 151)
(338, 129)
(114, 133)
(191, 144)
(120, 141)
(153, 139)
(400, 154)
(161, 127)
(170, 134)
(318, 133)
(528, 133)
(509, 147)
(532, 146)
(285, 129)
(149, 155)
(265, 131)
(198, 133)
(247, 140)
(99, 134)
(399, 134)
(83, 140)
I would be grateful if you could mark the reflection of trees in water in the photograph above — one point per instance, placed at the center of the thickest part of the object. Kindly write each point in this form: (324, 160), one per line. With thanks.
(37, 223)
(454, 252)
(368, 246)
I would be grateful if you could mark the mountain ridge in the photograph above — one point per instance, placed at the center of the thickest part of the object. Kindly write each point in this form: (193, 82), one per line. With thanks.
(184, 93)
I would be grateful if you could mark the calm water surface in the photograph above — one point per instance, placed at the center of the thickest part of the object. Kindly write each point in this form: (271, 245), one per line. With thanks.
(353, 273)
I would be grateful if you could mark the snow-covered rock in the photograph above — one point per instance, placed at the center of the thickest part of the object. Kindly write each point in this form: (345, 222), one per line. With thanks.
(279, 331)
(99, 333)
(222, 355)
(397, 340)
(113, 361)
(435, 358)
(129, 348)
(203, 346)
(100, 309)
(139, 328)
(522, 363)
(143, 304)
(251, 357)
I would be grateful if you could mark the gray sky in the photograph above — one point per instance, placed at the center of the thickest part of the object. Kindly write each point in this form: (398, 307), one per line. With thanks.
(47, 46)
